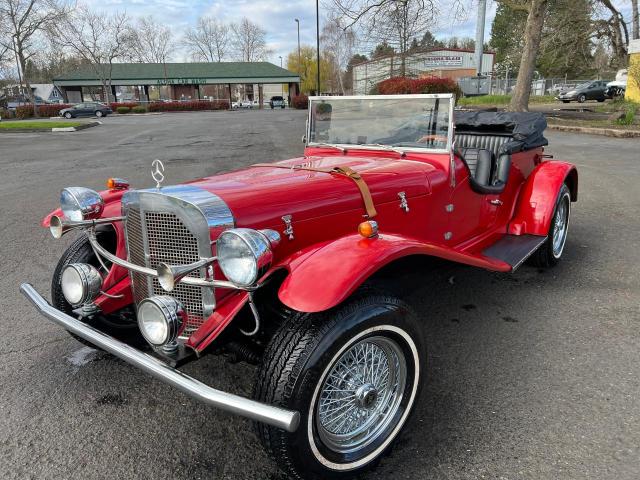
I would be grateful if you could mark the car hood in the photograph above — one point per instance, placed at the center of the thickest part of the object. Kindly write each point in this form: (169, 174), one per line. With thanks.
(259, 196)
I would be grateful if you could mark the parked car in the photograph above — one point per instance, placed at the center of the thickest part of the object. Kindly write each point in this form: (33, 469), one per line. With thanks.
(594, 90)
(558, 88)
(13, 102)
(277, 101)
(271, 264)
(618, 87)
(86, 109)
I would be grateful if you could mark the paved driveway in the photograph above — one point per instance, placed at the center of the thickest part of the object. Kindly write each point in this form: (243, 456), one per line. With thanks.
(532, 375)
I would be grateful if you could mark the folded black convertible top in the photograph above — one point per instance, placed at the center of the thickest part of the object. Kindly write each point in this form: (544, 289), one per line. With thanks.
(526, 128)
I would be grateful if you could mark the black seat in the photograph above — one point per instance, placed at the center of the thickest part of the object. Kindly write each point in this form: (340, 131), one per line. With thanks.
(486, 174)
(479, 140)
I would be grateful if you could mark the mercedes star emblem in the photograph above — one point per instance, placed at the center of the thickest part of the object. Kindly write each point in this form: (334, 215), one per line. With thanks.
(157, 172)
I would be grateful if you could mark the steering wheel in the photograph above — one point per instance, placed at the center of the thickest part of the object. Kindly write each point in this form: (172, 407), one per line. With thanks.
(433, 138)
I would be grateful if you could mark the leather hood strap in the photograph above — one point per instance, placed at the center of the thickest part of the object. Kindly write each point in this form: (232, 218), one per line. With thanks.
(340, 171)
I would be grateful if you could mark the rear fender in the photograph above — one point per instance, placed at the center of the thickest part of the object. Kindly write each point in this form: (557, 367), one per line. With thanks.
(537, 199)
(324, 275)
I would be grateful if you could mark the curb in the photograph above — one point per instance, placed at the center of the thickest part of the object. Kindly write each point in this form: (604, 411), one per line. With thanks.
(75, 129)
(607, 132)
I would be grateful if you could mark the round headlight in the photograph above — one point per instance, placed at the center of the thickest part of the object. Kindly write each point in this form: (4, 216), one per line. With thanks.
(79, 203)
(160, 319)
(245, 254)
(81, 283)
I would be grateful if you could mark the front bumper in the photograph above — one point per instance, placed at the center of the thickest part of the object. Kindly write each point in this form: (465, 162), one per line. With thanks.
(275, 416)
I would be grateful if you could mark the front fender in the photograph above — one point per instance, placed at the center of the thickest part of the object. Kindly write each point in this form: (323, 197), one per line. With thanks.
(537, 199)
(324, 275)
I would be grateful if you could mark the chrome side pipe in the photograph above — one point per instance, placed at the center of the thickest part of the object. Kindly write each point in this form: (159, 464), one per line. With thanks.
(288, 420)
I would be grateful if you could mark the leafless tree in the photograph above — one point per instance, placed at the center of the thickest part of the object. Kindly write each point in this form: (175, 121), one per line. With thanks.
(635, 19)
(97, 37)
(339, 43)
(395, 22)
(149, 41)
(536, 10)
(613, 28)
(249, 41)
(22, 22)
(208, 40)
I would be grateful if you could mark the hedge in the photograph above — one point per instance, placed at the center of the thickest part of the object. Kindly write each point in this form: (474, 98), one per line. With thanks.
(123, 110)
(48, 110)
(301, 102)
(188, 106)
(403, 85)
(139, 109)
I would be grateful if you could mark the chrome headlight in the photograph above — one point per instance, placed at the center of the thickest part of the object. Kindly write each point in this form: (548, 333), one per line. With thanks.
(79, 203)
(245, 254)
(81, 283)
(161, 319)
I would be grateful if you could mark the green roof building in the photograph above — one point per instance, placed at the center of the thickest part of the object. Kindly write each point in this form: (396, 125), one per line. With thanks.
(234, 81)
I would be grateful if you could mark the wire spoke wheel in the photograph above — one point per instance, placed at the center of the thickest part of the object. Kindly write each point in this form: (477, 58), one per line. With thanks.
(561, 226)
(361, 394)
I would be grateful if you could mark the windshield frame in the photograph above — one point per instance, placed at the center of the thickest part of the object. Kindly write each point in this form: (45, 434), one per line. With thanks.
(420, 96)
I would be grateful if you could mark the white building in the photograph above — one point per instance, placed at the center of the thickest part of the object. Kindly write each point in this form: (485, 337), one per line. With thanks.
(444, 62)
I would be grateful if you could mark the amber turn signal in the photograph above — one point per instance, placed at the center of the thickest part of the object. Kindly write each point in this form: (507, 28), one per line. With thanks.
(368, 229)
(117, 184)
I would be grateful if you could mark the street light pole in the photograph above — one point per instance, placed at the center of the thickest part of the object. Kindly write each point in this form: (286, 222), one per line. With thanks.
(298, 22)
(318, 41)
(281, 85)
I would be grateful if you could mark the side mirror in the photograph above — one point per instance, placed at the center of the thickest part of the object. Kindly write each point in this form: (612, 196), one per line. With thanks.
(304, 139)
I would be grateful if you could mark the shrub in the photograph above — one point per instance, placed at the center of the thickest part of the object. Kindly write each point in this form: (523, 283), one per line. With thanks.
(49, 110)
(629, 115)
(404, 85)
(115, 105)
(123, 109)
(5, 114)
(139, 109)
(194, 105)
(301, 102)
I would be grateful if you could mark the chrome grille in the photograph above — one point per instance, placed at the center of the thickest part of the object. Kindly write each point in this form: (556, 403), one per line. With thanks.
(168, 241)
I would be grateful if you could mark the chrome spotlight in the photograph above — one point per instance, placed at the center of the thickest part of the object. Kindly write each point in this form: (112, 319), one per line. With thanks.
(79, 203)
(161, 319)
(81, 283)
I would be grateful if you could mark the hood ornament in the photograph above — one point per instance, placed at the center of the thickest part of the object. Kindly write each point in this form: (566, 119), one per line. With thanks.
(157, 172)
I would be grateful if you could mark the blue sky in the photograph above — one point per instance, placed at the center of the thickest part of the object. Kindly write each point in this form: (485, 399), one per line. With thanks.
(277, 18)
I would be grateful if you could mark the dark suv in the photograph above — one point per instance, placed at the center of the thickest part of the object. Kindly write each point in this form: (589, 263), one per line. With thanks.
(277, 101)
(594, 90)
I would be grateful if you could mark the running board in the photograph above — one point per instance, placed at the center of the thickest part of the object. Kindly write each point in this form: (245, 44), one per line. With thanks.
(514, 249)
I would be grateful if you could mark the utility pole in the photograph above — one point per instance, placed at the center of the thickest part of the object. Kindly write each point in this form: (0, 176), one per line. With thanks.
(282, 84)
(318, 41)
(482, 12)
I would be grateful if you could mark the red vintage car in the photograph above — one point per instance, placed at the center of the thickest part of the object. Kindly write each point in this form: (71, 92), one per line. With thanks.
(272, 264)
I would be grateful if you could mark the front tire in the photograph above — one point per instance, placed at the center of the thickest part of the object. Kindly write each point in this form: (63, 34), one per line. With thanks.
(354, 375)
(549, 254)
(582, 98)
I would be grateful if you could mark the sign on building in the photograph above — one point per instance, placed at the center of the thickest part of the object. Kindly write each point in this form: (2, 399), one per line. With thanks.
(435, 61)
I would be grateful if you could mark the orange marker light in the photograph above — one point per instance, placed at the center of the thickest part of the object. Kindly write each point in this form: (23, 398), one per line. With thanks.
(368, 229)
(117, 184)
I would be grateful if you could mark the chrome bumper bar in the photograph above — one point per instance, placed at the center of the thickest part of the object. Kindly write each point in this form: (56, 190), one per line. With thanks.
(275, 416)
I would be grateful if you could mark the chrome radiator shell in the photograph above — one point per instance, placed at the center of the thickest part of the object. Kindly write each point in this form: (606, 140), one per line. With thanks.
(176, 225)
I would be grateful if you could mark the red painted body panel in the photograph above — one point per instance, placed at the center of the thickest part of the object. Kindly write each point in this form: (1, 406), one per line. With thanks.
(345, 263)
(538, 198)
(327, 209)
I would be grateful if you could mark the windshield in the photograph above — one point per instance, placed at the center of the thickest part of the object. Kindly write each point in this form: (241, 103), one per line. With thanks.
(416, 122)
(583, 85)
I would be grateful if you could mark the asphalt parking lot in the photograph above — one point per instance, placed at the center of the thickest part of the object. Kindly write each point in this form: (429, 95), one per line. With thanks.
(534, 375)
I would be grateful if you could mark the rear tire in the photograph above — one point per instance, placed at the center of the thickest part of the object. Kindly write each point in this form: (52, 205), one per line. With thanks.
(121, 325)
(354, 375)
(99, 114)
(550, 253)
(68, 115)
